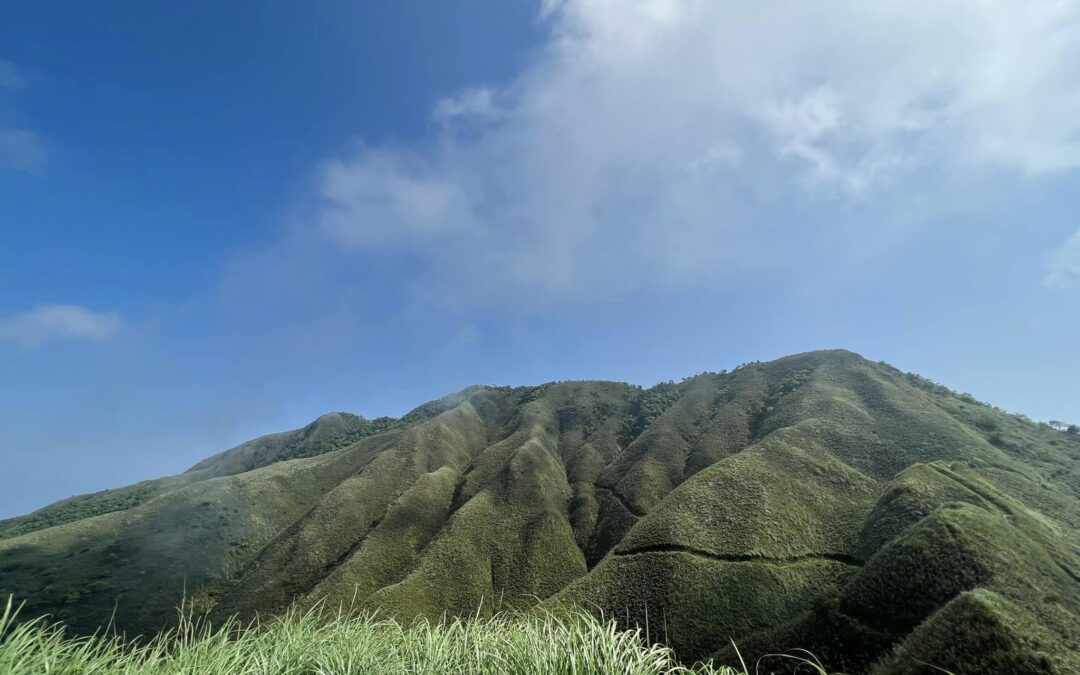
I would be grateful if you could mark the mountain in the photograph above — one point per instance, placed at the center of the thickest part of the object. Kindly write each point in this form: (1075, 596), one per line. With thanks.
(819, 501)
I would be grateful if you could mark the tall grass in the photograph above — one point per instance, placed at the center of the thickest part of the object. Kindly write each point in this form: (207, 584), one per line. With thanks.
(318, 643)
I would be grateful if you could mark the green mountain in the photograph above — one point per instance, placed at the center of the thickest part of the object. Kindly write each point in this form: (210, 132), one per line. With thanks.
(819, 501)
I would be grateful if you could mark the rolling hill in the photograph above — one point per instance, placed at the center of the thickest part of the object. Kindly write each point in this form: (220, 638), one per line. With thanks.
(819, 501)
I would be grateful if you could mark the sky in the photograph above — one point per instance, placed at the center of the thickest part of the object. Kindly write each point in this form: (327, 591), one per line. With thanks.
(219, 220)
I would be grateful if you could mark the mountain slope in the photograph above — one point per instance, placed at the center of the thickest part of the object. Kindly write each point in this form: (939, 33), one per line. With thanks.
(818, 501)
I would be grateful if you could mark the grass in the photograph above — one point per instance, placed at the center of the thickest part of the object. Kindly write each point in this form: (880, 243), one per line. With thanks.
(315, 642)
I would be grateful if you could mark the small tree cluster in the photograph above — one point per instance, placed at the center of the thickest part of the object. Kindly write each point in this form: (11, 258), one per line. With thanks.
(1063, 426)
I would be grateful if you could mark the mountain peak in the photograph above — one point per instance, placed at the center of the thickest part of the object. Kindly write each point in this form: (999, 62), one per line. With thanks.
(790, 503)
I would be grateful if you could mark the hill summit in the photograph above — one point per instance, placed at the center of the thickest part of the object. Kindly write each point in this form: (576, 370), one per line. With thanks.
(820, 501)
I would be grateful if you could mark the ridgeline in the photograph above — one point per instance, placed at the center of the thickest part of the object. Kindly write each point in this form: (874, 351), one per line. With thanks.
(820, 501)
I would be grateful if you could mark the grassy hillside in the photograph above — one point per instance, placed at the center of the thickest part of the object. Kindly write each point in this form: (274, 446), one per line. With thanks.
(330, 432)
(819, 501)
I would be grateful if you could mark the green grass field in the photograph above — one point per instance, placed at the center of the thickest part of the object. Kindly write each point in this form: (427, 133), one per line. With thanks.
(314, 642)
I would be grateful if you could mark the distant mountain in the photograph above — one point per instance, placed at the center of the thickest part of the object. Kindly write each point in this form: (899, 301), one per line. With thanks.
(819, 501)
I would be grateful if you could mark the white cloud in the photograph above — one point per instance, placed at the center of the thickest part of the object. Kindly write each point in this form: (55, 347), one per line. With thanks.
(47, 323)
(382, 198)
(585, 176)
(473, 103)
(1063, 265)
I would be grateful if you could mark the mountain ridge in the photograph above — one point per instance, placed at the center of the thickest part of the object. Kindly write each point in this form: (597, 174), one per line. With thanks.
(783, 504)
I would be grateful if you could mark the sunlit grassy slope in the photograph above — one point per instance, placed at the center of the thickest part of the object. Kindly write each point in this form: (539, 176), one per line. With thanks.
(820, 501)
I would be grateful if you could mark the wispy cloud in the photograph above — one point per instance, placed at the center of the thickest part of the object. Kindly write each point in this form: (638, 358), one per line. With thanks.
(1063, 265)
(475, 103)
(401, 199)
(48, 323)
(9, 76)
(20, 149)
(589, 167)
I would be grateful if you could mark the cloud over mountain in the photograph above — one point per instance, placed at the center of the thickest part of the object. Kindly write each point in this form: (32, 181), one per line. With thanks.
(659, 134)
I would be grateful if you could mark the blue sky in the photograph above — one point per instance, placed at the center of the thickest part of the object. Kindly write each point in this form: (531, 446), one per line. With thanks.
(222, 221)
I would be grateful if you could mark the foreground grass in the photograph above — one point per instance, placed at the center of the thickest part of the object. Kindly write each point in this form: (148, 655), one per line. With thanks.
(314, 643)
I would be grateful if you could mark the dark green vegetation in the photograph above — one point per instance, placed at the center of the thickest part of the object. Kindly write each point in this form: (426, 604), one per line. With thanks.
(819, 501)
